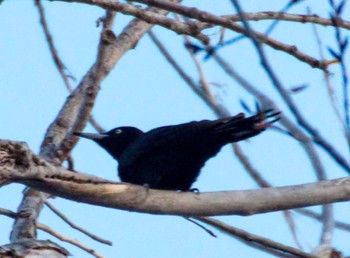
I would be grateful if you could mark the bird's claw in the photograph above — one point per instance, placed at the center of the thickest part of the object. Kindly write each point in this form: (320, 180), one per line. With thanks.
(194, 190)
(147, 187)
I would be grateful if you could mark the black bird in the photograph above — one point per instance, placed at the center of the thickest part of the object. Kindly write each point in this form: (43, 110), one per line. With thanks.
(171, 157)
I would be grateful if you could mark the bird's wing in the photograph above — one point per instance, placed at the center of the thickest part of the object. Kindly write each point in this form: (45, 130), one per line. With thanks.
(166, 139)
(196, 136)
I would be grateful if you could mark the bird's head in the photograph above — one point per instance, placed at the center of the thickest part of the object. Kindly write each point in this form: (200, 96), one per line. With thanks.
(114, 141)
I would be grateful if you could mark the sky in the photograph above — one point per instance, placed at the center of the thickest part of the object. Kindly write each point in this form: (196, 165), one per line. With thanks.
(144, 91)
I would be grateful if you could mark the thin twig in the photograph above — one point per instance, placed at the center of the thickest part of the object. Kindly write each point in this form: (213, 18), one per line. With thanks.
(282, 16)
(327, 225)
(309, 213)
(72, 241)
(202, 78)
(54, 233)
(276, 20)
(253, 172)
(256, 16)
(96, 125)
(292, 226)
(54, 53)
(8, 213)
(201, 226)
(256, 241)
(273, 25)
(70, 223)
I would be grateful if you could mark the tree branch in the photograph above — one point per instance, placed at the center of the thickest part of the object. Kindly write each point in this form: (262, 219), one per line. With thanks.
(70, 240)
(150, 17)
(54, 233)
(256, 241)
(18, 164)
(227, 23)
(73, 225)
(62, 69)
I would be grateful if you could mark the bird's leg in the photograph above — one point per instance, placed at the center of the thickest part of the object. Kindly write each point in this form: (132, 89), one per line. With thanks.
(147, 187)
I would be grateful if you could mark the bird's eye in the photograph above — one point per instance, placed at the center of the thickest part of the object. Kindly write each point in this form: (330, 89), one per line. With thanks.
(118, 131)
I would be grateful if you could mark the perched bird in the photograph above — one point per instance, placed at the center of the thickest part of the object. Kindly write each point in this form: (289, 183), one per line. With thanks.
(171, 157)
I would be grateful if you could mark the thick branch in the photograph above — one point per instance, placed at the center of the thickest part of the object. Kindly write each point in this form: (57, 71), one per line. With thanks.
(19, 164)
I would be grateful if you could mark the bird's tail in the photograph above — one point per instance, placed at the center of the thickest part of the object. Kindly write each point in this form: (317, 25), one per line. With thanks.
(239, 127)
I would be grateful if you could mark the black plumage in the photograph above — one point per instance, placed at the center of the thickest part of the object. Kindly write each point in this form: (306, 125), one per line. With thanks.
(171, 157)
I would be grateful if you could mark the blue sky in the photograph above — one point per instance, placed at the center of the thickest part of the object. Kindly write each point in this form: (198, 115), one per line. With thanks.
(143, 91)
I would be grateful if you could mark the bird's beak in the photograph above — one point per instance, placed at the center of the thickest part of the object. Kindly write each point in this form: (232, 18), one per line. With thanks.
(91, 136)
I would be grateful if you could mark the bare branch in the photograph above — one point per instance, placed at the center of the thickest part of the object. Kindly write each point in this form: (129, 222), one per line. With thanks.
(300, 18)
(202, 78)
(256, 241)
(70, 223)
(309, 213)
(211, 233)
(254, 173)
(72, 241)
(57, 60)
(8, 213)
(19, 164)
(149, 17)
(54, 233)
(226, 23)
(292, 226)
